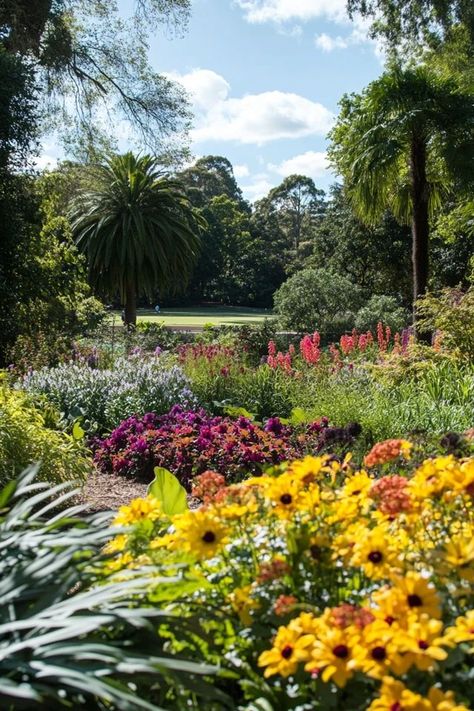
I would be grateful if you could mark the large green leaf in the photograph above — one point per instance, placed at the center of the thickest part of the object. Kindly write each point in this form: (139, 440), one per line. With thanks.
(166, 488)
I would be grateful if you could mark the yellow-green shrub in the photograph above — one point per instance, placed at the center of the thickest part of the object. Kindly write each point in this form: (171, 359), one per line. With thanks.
(25, 438)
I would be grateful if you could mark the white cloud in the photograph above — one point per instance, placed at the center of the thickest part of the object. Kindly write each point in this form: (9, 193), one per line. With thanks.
(45, 162)
(328, 43)
(313, 164)
(241, 171)
(257, 11)
(205, 87)
(259, 188)
(253, 118)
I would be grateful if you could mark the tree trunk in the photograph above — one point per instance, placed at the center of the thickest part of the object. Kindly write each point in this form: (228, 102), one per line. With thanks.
(420, 224)
(130, 305)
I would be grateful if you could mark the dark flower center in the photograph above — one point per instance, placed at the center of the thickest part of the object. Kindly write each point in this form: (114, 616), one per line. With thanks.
(389, 620)
(209, 537)
(341, 651)
(423, 645)
(316, 552)
(356, 493)
(286, 499)
(396, 706)
(375, 557)
(379, 654)
(414, 600)
(286, 652)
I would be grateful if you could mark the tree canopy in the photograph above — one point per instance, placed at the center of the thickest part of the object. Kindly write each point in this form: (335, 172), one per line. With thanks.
(90, 64)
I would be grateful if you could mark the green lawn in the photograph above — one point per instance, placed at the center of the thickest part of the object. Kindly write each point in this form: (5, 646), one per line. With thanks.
(200, 315)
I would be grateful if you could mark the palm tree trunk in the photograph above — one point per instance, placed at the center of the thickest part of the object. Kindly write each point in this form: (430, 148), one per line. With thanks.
(130, 305)
(420, 224)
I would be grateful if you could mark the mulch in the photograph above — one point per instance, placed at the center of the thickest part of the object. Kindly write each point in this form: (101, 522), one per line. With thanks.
(107, 492)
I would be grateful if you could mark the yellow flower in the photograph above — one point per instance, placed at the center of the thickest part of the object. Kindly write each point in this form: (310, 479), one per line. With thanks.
(289, 649)
(459, 553)
(242, 603)
(377, 652)
(394, 696)
(462, 631)
(432, 477)
(375, 553)
(138, 510)
(444, 701)
(284, 493)
(117, 544)
(198, 532)
(309, 469)
(421, 645)
(417, 595)
(332, 654)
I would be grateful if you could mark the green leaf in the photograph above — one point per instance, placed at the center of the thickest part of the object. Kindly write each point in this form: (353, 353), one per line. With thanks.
(299, 416)
(77, 431)
(238, 412)
(7, 492)
(166, 488)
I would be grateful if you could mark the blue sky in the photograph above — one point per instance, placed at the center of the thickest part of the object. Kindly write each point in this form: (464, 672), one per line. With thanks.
(265, 78)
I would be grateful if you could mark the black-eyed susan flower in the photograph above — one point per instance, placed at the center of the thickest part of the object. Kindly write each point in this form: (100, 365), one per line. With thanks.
(417, 595)
(290, 648)
(199, 532)
(421, 644)
(332, 654)
(374, 551)
(394, 696)
(138, 510)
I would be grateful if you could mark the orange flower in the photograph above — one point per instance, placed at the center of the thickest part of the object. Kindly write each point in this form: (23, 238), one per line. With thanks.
(386, 451)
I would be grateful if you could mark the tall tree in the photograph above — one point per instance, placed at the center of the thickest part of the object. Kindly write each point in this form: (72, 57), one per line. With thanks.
(401, 145)
(294, 207)
(376, 258)
(85, 51)
(398, 20)
(210, 177)
(138, 230)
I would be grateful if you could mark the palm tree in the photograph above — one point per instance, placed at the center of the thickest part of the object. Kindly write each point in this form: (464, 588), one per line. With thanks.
(403, 145)
(138, 230)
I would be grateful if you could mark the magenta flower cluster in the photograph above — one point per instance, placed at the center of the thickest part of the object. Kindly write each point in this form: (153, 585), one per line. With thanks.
(189, 442)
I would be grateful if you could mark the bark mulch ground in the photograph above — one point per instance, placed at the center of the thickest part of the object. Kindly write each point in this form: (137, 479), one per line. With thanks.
(107, 492)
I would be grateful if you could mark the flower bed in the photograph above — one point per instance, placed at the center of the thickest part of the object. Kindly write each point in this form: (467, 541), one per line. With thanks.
(326, 587)
(190, 442)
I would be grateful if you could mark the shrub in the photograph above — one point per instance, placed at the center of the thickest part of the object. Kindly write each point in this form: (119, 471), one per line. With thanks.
(69, 639)
(26, 438)
(105, 397)
(452, 315)
(191, 442)
(331, 587)
(384, 309)
(318, 299)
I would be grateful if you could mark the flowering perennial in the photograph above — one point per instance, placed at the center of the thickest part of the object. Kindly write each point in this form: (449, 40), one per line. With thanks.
(189, 442)
(331, 583)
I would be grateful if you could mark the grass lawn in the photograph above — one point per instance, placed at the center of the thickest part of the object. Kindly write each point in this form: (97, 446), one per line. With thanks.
(198, 316)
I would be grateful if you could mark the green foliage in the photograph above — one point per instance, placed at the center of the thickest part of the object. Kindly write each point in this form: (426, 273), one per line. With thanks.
(432, 398)
(317, 299)
(372, 138)
(381, 308)
(166, 488)
(375, 258)
(68, 638)
(452, 314)
(25, 438)
(399, 20)
(86, 57)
